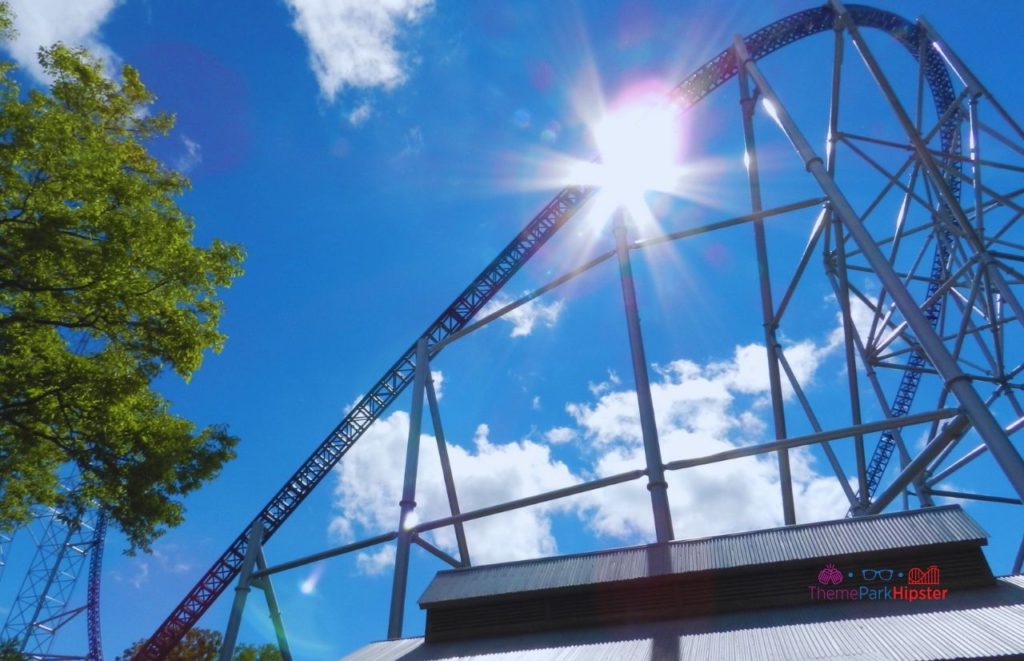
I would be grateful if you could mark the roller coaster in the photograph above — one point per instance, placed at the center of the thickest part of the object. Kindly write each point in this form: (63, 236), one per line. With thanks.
(946, 312)
(925, 349)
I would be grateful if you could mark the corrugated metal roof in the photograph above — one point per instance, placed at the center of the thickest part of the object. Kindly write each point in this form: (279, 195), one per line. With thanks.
(938, 525)
(970, 623)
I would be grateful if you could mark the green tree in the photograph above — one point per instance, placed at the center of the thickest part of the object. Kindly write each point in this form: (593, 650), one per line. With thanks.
(9, 648)
(203, 645)
(102, 289)
(246, 652)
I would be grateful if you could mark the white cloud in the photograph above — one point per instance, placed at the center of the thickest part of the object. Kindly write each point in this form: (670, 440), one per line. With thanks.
(535, 403)
(485, 474)
(698, 413)
(171, 560)
(862, 316)
(559, 435)
(603, 387)
(526, 316)
(165, 559)
(136, 573)
(45, 22)
(374, 563)
(141, 575)
(747, 372)
(192, 157)
(438, 378)
(413, 143)
(700, 410)
(360, 114)
(352, 42)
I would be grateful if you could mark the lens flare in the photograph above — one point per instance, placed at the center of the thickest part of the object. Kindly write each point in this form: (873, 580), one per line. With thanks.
(308, 585)
(639, 146)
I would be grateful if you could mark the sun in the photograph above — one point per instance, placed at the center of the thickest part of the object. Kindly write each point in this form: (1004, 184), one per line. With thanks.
(638, 145)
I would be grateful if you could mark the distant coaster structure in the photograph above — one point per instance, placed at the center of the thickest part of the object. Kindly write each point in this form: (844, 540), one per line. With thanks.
(47, 604)
(939, 240)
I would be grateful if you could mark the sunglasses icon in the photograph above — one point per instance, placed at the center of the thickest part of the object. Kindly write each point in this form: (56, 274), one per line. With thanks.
(872, 574)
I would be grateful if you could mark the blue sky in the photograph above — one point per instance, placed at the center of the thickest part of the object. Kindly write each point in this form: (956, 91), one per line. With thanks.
(372, 157)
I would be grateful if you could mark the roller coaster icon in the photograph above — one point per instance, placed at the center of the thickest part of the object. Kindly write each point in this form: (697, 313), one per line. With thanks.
(918, 576)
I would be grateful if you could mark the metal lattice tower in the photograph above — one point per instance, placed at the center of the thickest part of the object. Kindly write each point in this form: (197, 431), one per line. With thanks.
(5, 545)
(47, 600)
(933, 346)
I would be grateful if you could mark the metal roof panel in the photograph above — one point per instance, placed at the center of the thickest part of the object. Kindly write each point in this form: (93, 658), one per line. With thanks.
(977, 622)
(938, 525)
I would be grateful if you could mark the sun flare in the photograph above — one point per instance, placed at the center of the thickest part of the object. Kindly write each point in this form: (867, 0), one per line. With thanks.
(638, 147)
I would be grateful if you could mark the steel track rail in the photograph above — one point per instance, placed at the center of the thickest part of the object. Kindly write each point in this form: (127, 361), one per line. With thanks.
(93, 593)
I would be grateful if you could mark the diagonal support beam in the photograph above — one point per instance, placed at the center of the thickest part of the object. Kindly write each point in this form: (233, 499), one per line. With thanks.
(265, 584)
(948, 433)
(252, 552)
(446, 471)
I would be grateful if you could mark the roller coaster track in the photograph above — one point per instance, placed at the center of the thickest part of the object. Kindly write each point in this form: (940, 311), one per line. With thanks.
(485, 286)
(93, 594)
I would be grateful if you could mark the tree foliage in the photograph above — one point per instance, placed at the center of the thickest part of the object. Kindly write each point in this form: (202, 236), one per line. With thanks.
(9, 648)
(102, 289)
(204, 645)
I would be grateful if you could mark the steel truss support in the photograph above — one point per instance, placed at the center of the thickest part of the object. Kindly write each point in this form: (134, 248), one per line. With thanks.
(771, 342)
(949, 433)
(264, 583)
(254, 540)
(974, 86)
(976, 412)
(931, 480)
(408, 502)
(816, 425)
(247, 579)
(5, 544)
(43, 606)
(423, 388)
(1004, 452)
(629, 476)
(976, 496)
(446, 473)
(656, 484)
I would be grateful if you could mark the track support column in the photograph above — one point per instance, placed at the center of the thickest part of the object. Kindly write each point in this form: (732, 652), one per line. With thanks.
(408, 503)
(771, 341)
(656, 483)
(252, 551)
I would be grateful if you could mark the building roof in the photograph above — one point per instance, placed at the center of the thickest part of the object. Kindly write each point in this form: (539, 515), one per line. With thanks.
(977, 622)
(829, 539)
